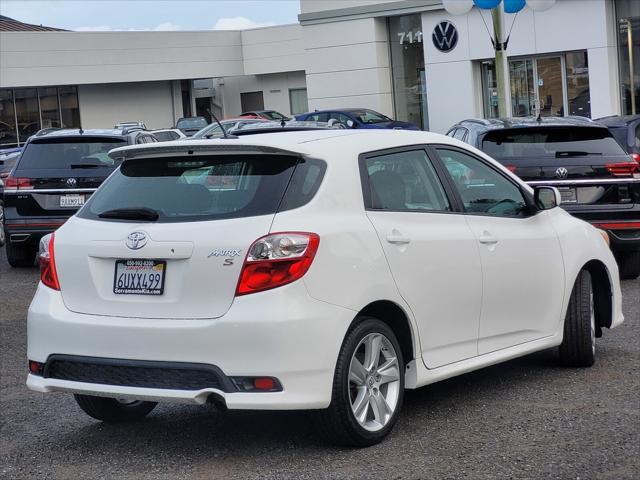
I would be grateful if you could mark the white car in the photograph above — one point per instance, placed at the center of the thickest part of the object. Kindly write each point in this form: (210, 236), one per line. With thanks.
(321, 270)
(168, 134)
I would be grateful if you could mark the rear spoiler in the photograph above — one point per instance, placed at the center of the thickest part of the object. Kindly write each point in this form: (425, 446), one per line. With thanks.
(134, 151)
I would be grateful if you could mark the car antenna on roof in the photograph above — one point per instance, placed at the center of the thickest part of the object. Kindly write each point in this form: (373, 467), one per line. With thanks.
(224, 132)
(80, 131)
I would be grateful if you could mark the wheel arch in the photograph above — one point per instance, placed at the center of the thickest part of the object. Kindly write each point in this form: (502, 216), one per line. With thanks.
(602, 292)
(397, 319)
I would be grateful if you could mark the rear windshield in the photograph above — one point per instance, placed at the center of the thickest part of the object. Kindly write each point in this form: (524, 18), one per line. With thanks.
(202, 188)
(64, 153)
(192, 123)
(550, 142)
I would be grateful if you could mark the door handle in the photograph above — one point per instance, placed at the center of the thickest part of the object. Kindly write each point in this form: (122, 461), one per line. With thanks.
(487, 239)
(398, 239)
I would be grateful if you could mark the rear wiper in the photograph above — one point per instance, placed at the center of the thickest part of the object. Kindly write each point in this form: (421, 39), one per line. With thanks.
(144, 214)
(575, 153)
(84, 165)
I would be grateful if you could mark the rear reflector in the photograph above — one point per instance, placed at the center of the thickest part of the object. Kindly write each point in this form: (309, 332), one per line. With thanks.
(36, 368)
(257, 384)
(636, 157)
(618, 225)
(623, 169)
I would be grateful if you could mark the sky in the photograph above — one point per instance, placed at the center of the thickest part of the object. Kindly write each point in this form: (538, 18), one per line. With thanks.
(102, 15)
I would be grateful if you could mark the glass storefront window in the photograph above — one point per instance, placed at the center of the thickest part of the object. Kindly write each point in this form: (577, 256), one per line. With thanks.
(24, 111)
(407, 70)
(8, 135)
(69, 110)
(542, 85)
(27, 112)
(578, 93)
(628, 18)
(298, 101)
(49, 108)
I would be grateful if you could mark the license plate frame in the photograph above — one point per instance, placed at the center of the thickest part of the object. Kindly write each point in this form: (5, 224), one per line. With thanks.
(66, 200)
(134, 284)
(568, 194)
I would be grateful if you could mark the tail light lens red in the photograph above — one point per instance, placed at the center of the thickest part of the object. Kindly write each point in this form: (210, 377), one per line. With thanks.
(636, 157)
(17, 183)
(623, 169)
(511, 168)
(276, 260)
(47, 261)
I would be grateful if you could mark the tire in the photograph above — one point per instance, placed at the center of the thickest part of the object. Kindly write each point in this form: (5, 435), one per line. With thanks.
(578, 348)
(20, 256)
(110, 410)
(629, 264)
(372, 393)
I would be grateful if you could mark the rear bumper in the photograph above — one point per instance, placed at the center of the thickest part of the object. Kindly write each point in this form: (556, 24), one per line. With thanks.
(283, 333)
(30, 230)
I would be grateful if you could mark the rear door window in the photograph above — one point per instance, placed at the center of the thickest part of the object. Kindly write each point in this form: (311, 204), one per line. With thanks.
(69, 153)
(203, 188)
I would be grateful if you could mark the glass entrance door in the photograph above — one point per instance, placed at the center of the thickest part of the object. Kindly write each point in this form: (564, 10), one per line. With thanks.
(550, 89)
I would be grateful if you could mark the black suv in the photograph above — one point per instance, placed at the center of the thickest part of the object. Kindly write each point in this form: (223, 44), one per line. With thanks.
(598, 180)
(56, 173)
(626, 130)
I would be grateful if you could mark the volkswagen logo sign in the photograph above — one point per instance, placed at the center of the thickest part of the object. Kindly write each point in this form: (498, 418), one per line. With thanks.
(562, 172)
(445, 36)
(72, 182)
(136, 240)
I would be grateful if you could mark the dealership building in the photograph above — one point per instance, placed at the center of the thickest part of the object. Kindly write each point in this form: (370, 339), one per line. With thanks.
(408, 59)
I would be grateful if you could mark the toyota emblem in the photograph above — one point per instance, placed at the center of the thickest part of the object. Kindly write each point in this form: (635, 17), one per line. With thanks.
(136, 240)
(72, 182)
(562, 172)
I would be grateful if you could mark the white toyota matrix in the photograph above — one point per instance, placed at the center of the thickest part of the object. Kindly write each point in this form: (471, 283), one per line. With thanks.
(319, 270)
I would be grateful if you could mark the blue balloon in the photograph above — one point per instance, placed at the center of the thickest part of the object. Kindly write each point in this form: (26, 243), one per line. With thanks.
(487, 4)
(514, 6)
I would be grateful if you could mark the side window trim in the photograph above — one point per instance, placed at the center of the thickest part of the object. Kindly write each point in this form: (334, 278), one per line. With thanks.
(528, 198)
(440, 171)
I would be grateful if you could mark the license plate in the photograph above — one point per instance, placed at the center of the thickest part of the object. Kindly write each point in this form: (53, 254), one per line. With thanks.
(71, 200)
(568, 194)
(139, 277)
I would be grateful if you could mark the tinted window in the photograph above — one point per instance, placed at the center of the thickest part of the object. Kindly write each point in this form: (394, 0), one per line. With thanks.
(273, 115)
(369, 116)
(482, 189)
(63, 153)
(196, 122)
(550, 142)
(404, 181)
(165, 136)
(304, 183)
(318, 117)
(202, 188)
(620, 134)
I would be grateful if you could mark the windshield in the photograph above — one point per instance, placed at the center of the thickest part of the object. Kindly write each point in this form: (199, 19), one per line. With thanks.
(550, 142)
(198, 122)
(369, 116)
(63, 153)
(206, 188)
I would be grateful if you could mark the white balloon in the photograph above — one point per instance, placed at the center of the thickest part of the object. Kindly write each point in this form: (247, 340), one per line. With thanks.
(540, 5)
(457, 7)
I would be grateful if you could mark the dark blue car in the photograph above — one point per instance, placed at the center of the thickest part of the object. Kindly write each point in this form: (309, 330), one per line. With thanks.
(356, 118)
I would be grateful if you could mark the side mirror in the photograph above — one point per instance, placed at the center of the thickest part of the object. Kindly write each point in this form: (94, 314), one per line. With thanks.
(351, 124)
(547, 197)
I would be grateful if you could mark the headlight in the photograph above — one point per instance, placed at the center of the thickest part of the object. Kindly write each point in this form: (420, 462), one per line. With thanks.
(605, 235)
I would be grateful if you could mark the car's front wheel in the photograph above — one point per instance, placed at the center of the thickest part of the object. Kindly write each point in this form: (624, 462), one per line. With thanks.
(578, 348)
(368, 386)
(112, 410)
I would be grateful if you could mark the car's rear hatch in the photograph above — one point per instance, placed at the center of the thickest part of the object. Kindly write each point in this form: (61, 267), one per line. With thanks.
(585, 163)
(55, 176)
(189, 218)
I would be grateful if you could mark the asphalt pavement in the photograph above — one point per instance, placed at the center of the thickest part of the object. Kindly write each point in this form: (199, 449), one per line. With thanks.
(525, 419)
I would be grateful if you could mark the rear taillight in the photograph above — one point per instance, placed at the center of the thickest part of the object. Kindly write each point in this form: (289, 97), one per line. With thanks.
(47, 261)
(511, 168)
(636, 157)
(623, 169)
(276, 260)
(17, 183)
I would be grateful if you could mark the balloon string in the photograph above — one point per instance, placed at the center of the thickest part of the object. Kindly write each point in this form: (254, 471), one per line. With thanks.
(512, 24)
(487, 27)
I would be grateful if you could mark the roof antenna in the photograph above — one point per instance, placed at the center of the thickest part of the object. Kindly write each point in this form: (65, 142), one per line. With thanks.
(224, 132)
(80, 131)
